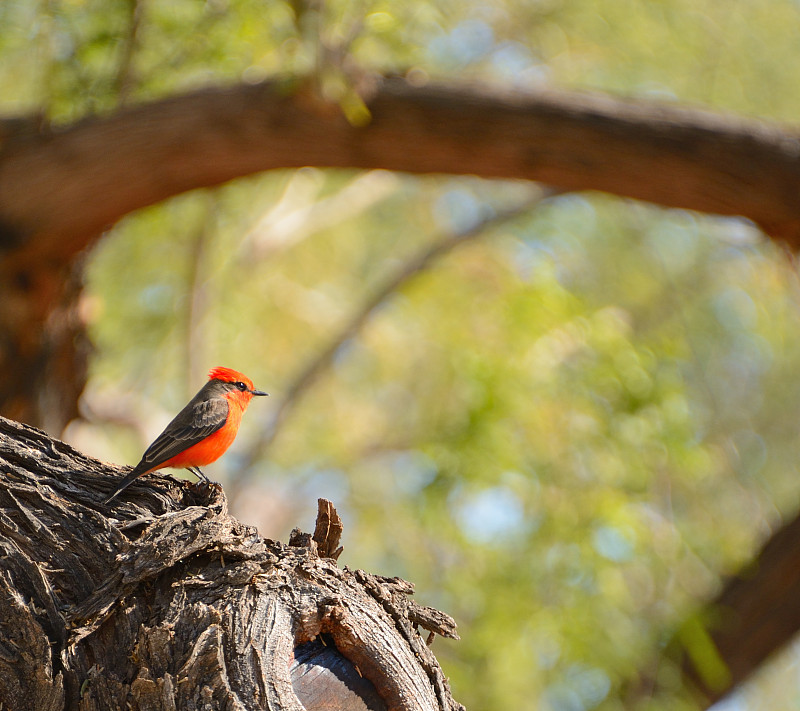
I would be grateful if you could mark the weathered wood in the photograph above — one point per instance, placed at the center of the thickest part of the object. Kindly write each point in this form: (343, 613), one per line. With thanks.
(164, 601)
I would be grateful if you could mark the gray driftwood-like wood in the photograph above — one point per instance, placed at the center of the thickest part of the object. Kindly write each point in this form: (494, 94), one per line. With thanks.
(164, 601)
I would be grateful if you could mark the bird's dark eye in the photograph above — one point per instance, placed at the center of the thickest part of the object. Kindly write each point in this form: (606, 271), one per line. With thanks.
(240, 385)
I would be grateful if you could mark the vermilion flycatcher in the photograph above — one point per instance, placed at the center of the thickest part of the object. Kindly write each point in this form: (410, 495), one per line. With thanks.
(202, 431)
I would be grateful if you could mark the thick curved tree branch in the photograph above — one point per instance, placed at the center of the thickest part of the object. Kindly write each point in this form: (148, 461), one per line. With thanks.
(59, 188)
(677, 157)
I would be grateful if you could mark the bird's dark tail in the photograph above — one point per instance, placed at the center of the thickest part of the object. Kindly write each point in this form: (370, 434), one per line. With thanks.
(134, 474)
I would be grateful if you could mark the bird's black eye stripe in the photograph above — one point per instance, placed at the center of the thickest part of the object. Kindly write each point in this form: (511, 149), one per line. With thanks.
(240, 385)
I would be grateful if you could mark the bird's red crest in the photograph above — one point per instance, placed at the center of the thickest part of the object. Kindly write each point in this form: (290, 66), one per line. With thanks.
(228, 375)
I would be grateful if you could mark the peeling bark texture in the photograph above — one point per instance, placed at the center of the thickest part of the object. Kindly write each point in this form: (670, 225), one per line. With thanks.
(164, 601)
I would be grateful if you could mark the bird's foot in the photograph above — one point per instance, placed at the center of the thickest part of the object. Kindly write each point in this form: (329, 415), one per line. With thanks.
(199, 474)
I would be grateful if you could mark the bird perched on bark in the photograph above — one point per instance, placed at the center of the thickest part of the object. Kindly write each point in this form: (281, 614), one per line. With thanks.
(202, 431)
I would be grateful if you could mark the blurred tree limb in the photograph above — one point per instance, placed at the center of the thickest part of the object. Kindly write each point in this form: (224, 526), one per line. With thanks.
(61, 187)
(417, 264)
(755, 614)
(669, 155)
(752, 617)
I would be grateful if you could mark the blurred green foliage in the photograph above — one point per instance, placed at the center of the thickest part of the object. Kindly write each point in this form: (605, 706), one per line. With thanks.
(564, 432)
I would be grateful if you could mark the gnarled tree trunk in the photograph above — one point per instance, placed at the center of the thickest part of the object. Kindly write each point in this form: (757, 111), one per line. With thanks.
(164, 601)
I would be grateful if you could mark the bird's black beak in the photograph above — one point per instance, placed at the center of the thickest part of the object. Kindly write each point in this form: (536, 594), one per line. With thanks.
(258, 392)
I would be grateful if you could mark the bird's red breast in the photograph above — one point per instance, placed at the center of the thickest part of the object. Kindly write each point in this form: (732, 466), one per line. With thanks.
(215, 445)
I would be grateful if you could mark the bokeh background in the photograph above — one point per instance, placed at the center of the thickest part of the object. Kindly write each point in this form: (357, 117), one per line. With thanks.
(565, 418)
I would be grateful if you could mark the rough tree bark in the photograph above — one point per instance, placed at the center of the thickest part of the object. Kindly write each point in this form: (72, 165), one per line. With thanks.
(163, 601)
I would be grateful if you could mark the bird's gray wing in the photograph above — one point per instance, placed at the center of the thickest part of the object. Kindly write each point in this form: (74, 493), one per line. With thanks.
(191, 425)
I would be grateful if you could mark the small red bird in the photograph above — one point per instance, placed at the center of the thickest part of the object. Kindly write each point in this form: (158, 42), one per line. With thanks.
(202, 431)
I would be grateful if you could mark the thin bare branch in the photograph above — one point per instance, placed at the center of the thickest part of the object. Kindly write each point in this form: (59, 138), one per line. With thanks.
(125, 79)
(197, 297)
(419, 263)
(300, 212)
